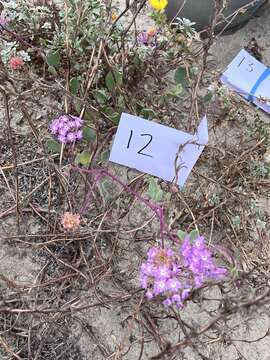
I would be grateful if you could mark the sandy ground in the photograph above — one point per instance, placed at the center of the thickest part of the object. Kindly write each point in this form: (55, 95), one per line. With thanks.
(109, 325)
(223, 51)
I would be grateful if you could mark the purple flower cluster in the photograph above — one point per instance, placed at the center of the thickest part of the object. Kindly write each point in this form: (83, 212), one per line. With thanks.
(147, 39)
(198, 259)
(143, 38)
(174, 274)
(67, 128)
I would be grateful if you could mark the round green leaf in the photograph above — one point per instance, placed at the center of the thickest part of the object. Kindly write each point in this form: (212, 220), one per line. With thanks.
(194, 234)
(52, 70)
(53, 59)
(74, 85)
(181, 234)
(89, 134)
(84, 158)
(53, 146)
(154, 190)
(112, 79)
(101, 96)
(177, 91)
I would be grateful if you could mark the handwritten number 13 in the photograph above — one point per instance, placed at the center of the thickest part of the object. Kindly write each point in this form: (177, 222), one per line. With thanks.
(250, 64)
(144, 147)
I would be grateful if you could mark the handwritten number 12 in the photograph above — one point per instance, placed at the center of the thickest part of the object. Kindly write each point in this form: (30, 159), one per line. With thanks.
(144, 147)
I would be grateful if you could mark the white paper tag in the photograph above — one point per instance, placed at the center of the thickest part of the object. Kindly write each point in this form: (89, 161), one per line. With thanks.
(157, 149)
(250, 78)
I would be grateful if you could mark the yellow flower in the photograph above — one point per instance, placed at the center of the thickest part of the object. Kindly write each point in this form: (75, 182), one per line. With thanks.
(158, 4)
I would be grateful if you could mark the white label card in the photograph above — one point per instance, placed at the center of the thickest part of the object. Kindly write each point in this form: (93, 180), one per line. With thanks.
(156, 149)
(250, 78)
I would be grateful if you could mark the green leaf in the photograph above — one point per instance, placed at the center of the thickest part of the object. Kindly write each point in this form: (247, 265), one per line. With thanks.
(154, 190)
(83, 158)
(108, 110)
(101, 96)
(89, 115)
(159, 195)
(121, 102)
(115, 117)
(74, 85)
(177, 91)
(180, 77)
(109, 80)
(136, 61)
(105, 155)
(148, 113)
(112, 79)
(53, 59)
(181, 234)
(53, 146)
(89, 134)
(208, 97)
(193, 71)
(52, 70)
(139, 107)
(78, 107)
(194, 234)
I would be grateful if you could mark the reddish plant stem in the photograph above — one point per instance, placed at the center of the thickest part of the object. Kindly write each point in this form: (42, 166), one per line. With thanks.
(157, 209)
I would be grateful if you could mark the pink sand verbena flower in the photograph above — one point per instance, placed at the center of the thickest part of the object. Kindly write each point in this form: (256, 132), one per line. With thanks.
(70, 221)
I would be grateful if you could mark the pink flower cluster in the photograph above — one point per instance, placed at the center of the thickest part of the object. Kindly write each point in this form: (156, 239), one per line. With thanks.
(70, 221)
(15, 62)
(174, 274)
(67, 128)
